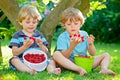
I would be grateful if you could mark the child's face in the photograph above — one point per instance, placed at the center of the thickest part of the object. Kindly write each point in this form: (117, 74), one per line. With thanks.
(72, 26)
(29, 24)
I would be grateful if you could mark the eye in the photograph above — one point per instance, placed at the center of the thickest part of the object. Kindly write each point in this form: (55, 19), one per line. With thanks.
(34, 22)
(69, 24)
(76, 23)
(27, 22)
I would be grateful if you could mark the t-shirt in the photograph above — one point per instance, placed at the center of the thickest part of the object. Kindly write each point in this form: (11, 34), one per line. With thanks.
(63, 43)
(18, 39)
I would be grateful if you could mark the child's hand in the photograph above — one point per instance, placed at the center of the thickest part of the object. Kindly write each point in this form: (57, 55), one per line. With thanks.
(90, 39)
(42, 46)
(39, 42)
(28, 43)
(75, 39)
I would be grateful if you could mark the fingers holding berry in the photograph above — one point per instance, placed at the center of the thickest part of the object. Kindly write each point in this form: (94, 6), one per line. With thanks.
(39, 42)
(77, 37)
(28, 43)
(90, 39)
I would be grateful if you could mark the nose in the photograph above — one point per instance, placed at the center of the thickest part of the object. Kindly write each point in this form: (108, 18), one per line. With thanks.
(72, 26)
(31, 23)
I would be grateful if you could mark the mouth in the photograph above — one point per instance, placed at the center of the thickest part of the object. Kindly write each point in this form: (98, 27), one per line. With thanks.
(30, 28)
(73, 30)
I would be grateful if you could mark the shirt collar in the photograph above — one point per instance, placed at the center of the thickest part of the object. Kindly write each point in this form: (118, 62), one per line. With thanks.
(21, 33)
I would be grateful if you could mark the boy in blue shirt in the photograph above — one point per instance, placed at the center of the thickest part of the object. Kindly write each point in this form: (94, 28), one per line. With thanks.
(75, 41)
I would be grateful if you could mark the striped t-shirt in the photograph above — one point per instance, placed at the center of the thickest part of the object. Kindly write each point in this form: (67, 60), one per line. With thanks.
(18, 39)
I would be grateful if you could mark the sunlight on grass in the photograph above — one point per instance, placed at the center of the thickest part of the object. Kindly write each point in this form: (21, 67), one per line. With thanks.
(115, 50)
(117, 77)
(9, 77)
(70, 77)
(100, 51)
(6, 50)
(53, 45)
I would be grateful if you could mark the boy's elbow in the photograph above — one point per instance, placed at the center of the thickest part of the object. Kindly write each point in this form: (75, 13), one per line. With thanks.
(93, 53)
(14, 53)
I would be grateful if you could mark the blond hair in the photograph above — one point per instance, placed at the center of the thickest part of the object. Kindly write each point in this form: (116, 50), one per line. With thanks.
(29, 11)
(72, 14)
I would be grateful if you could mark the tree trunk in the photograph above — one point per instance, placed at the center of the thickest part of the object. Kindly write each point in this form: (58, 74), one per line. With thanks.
(83, 6)
(48, 26)
(11, 9)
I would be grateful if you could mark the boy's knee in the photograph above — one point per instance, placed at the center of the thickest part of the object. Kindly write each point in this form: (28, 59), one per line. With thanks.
(13, 60)
(56, 54)
(106, 54)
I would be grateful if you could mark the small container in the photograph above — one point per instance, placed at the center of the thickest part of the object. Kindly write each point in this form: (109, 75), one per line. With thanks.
(37, 66)
(86, 62)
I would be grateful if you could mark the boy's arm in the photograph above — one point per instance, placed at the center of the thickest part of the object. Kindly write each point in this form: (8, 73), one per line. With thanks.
(44, 48)
(73, 42)
(67, 53)
(18, 50)
(91, 47)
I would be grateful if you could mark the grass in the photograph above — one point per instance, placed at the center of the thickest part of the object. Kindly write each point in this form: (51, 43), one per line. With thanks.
(114, 49)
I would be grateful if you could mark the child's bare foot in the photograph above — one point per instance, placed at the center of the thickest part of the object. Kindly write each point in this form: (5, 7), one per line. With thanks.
(32, 72)
(55, 71)
(82, 72)
(110, 72)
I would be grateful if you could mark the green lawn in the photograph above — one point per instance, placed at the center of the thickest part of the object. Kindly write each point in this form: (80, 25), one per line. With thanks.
(114, 49)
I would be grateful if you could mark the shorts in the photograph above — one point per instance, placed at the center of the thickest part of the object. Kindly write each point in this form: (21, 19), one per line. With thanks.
(48, 60)
(12, 66)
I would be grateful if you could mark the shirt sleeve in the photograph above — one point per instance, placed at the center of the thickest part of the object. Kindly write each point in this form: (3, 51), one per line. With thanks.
(62, 43)
(14, 41)
(85, 37)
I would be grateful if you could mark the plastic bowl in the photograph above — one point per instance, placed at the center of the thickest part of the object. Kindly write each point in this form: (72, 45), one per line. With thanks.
(37, 66)
(84, 62)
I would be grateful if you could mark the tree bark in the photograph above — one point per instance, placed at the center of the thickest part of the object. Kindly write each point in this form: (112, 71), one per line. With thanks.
(83, 6)
(2, 17)
(11, 9)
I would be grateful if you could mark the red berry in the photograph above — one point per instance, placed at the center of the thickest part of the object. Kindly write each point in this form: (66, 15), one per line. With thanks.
(35, 58)
(82, 37)
(75, 35)
(32, 38)
(78, 35)
(24, 37)
(70, 36)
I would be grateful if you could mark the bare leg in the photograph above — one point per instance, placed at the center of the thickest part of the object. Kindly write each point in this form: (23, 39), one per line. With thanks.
(66, 63)
(21, 66)
(104, 61)
(51, 68)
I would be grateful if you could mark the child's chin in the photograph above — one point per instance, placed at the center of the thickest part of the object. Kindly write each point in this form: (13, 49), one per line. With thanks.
(30, 31)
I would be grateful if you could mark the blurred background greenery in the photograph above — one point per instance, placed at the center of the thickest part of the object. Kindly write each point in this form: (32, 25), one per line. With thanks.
(103, 19)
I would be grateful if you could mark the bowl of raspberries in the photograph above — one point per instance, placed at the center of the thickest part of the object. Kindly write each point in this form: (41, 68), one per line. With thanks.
(35, 59)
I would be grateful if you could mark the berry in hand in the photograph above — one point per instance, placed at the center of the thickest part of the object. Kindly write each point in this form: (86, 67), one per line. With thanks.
(32, 38)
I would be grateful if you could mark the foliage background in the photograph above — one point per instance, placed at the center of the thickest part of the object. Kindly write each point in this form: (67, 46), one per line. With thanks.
(103, 19)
